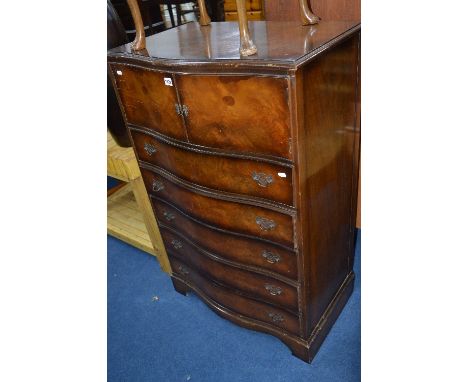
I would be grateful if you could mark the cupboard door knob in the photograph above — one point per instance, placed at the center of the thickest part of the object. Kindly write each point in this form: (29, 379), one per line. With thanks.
(265, 224)
(276, 317)
(271, 257)
(158, 185)
(150, 149)
(262, 179)
(181, 109)
(177, 244)
(183, 270)
(169, 216)
(274, 290)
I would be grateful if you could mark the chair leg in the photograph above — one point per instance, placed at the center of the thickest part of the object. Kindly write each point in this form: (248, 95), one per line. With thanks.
(247, 47)
(204, 18)
(171, 14)
(307, 17)
(178, 14)
(139, 43)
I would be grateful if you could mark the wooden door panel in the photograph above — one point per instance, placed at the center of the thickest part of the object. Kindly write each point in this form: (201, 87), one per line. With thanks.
(238, 113)
(148, 101)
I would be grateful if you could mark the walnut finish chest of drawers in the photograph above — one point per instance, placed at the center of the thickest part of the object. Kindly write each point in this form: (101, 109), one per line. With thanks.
(251, 165)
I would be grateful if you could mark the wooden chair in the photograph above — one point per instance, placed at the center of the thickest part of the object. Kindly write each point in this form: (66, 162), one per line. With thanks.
(247, 47)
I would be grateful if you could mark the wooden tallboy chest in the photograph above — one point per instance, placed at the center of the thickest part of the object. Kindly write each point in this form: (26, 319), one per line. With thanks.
(252, 166)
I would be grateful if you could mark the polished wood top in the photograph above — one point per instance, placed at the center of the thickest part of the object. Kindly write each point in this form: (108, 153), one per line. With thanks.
(287, 44)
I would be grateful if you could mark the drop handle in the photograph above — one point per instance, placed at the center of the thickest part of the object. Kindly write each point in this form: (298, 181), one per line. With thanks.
(158, 185)
(265, 224)
(150, 149)
(276, 317)
(177, 244)
(262, 179)
(274, 290)
(271, 257)
(169, 216)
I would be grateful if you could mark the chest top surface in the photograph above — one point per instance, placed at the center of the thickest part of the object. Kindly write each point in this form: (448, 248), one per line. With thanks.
(287, 44)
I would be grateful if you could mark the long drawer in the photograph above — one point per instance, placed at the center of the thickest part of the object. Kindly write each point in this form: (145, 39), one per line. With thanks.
(250, 252)
(242, 176)
(236, 302)
(228, 215)
(266, 288)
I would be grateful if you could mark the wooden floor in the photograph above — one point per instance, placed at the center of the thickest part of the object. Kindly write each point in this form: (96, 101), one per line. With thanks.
(125, 220)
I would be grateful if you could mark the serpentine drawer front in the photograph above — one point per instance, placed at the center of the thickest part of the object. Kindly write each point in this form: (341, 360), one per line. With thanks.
(248, 283)
(251, 252)
(238, 304)
(242, 176)
(251, 166)
(229, 215)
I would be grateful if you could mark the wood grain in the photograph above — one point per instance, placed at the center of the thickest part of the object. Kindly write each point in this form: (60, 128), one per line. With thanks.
(228, 215)
(240, 176)
(246, 282)
(224, 298)
(148, 101)
(251, 113)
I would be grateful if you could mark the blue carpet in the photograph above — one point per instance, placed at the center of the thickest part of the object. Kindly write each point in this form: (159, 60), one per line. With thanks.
(177, 338)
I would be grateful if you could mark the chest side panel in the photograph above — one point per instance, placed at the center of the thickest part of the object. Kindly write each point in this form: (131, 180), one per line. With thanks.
(330, 139)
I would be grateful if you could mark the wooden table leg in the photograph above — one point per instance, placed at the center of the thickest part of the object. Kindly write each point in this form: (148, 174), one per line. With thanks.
(144, 203)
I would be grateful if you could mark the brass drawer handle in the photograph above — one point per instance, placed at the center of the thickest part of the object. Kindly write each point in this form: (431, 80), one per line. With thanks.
(276, 317)
(272, 258)
(158, 185)
(150, 149)
(183, 270)
(177, 244)
(265, 224)
(274, 290)
(169, 216)
(262, 179)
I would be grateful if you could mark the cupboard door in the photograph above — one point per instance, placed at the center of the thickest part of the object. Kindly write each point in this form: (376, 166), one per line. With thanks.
(237, 113)
(149, 99)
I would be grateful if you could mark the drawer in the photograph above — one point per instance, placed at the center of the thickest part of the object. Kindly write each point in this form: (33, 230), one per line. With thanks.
(242, 218)
(148, 101)
(237, 113)
(241, 176)
(250, 284)
(251, 252)
(235, 302)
